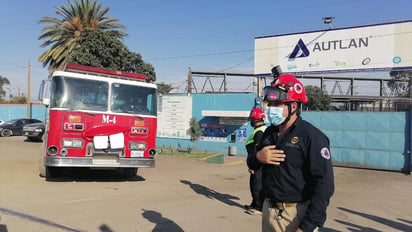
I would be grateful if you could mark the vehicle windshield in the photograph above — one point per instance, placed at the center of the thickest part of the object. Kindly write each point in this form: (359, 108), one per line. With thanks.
(83, 94)
(79, 94)
(133, 99)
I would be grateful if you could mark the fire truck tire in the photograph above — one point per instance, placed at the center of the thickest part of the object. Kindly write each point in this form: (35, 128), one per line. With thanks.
(6, 133)
(52, 172)
(46, 172)
(128, 172)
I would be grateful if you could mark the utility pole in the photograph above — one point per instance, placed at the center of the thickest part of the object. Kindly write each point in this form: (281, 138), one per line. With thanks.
(189, 81)
(28, 91)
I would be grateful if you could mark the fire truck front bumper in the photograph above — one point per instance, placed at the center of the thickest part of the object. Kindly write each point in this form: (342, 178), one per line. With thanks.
(99, 162)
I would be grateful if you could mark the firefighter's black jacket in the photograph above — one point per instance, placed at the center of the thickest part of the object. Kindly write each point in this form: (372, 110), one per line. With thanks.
(305, 175)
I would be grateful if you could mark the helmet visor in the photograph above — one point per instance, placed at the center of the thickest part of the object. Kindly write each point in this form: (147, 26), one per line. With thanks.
(274, 94)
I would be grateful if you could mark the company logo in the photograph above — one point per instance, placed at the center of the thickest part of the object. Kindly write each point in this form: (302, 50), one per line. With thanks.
(397, 60)
(325, 153)
(292, 66)
(294, 140)
(314, 65)
(300, 50)
(298, 88)
(339, 63)
(366, 61)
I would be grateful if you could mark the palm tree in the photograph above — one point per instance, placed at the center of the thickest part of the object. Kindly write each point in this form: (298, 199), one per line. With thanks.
(63, 34)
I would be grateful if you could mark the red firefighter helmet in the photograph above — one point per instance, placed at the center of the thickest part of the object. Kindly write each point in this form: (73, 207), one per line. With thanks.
(257, 113)
(285, 89)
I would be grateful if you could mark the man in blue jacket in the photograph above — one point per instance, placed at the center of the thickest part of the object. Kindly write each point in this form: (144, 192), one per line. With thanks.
(297, 170)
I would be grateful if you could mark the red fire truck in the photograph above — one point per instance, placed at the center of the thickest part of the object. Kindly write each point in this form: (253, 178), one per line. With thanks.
(99, 118)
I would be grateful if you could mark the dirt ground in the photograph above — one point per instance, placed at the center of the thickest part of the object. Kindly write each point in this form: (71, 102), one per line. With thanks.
(179, 194)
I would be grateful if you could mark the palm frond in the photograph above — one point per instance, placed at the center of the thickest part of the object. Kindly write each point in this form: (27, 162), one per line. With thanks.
(63, 33)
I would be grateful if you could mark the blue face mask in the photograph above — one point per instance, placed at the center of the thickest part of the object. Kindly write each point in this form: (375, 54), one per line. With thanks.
(275, 115)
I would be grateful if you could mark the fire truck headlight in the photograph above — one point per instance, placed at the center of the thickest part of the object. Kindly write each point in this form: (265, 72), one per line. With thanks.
(152, 153)
(52, 150)
(72, 143)
(137, 146)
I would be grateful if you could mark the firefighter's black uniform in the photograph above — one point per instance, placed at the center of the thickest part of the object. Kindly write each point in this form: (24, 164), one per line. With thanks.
(305, 175)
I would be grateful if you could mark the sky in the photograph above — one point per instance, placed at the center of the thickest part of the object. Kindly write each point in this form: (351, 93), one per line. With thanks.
(212, 35)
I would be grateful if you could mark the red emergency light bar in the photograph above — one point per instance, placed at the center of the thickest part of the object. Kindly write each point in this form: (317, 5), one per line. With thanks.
(88, 69)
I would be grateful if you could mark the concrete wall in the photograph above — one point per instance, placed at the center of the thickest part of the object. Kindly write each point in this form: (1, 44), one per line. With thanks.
(12, 111)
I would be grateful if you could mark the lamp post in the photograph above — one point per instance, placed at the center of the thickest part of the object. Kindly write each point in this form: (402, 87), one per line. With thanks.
(28, 111)
(328, 20)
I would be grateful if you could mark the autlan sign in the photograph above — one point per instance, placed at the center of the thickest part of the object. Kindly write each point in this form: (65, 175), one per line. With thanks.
(369, 48)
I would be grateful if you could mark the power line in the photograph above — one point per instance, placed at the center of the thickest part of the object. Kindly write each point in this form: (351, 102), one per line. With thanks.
(233, 66)
(250, 50)
(201, 55)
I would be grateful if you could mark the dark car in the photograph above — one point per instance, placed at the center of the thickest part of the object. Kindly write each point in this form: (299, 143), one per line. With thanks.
(34, 131)
(15, 126)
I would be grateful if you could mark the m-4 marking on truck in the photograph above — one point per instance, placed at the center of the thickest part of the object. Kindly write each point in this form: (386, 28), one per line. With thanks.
(106, 119)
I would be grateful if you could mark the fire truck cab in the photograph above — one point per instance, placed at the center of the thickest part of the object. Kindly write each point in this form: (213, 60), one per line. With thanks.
(99, 118)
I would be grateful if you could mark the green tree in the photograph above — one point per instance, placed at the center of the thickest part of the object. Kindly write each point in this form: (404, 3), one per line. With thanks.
(100, 49)
(318, 99)
(400, 83)
(194, 131)
(3, 81)
(400, 86)
(63, 34)
(18, 100)
(163, 88)
(134, 63)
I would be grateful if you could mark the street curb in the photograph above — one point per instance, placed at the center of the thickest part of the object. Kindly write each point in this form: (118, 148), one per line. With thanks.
(214, 159)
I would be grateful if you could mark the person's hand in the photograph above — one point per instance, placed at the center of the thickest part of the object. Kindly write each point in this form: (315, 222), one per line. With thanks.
(271, 155)
(299, 230)
(251, 171)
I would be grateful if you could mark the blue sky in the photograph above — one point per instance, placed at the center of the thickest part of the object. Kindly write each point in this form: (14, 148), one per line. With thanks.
(212, 35)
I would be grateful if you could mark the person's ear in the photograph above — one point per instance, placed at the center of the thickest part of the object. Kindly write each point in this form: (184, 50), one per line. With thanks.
(294, 106)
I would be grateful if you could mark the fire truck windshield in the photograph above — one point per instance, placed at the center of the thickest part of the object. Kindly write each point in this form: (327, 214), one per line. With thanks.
(133, 99)
(93, 95)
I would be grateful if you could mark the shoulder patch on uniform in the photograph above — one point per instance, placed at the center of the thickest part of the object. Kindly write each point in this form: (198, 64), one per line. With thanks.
(294, 140)
(325, 153)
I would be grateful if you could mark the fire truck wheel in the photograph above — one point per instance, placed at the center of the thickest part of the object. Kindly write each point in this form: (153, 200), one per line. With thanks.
(52, 172)
(128, 172)
(6, 133)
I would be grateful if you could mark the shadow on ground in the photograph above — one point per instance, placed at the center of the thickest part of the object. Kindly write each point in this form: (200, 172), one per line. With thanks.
(212, 194)
(86, 174)
(397, 226)
(162, 223)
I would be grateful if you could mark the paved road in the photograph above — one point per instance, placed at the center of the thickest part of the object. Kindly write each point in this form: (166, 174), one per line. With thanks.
(180, 194)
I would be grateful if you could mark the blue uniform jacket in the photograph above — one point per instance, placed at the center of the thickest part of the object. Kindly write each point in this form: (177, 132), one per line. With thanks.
(305, 175)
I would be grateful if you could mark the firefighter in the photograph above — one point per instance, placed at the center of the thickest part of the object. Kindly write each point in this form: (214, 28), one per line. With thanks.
(256, 118)
(297, 168)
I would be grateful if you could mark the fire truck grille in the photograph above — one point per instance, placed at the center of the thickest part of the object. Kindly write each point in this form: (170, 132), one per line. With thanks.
(90, 151)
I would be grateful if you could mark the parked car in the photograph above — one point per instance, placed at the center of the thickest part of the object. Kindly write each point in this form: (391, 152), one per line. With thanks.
(34, 131)
(2, 121)
(15, 126)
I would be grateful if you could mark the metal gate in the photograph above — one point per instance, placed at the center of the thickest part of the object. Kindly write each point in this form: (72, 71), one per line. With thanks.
(377, 140)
